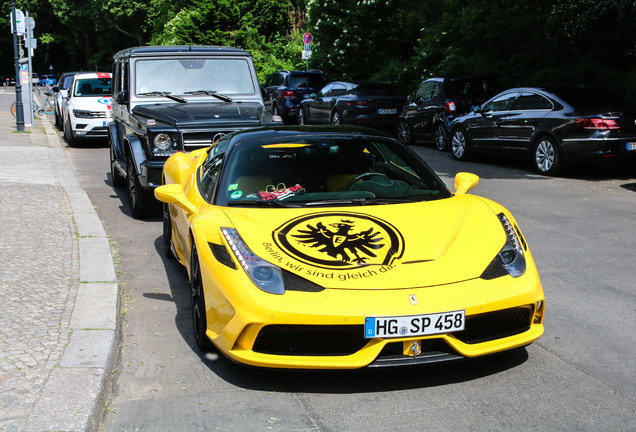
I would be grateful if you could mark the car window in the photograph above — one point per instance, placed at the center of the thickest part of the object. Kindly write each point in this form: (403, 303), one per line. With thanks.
(227, 76)
(427, 90)
(501, 103)
(91, 87)
(326, 89)
(210, 171)
(337, 90)
(306, 80)
(66, 81)
(531, 101)
(472, 88)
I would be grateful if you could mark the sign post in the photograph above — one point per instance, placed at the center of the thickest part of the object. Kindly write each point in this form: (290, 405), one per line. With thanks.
(19, 111)
(307, 39)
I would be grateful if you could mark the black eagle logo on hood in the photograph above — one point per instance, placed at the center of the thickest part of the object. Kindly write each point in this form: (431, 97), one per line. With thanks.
(340, 242)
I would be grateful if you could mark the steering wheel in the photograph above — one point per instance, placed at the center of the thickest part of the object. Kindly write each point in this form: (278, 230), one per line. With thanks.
(363, 176)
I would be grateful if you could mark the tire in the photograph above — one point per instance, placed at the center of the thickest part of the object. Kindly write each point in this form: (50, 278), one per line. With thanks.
(68, 133)
(459, 145)
(142, 203)
(441, 137)
(301, 117)
(404, 133)
(167, 231)
(58, 121)
(336, 117)
(276, 112)
(546, 157)
(197, 304)
(118, 180)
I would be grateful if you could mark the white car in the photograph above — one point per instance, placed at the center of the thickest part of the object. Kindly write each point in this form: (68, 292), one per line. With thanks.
(87, 107)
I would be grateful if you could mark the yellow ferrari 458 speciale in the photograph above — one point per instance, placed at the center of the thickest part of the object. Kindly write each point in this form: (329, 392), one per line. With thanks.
(338, 247)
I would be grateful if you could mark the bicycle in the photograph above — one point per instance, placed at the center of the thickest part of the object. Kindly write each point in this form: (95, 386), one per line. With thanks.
(46, 108)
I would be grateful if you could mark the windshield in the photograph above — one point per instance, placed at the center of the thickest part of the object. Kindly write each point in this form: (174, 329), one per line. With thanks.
(313, 80)
(227, 76)
(91, 87)
(322, 170)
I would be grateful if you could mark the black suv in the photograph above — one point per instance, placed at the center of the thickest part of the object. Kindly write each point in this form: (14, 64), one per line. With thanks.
(175, 98)
(285, 89)
(437, 102)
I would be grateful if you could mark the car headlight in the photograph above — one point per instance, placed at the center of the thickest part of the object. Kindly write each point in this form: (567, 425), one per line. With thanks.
(162, 142)
(511, 255)
(82, 114)
(266, 276)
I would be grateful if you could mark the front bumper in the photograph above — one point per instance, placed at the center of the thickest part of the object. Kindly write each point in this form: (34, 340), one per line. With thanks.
(325, 330)
(89, 127)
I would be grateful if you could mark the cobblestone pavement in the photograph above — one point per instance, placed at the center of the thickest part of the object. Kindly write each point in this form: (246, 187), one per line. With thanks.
(39, 273)
(51, 369)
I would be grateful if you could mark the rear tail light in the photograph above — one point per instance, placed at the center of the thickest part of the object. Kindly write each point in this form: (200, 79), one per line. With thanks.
(289, 93)
(358, 103)
(597, 123)
(450, 107)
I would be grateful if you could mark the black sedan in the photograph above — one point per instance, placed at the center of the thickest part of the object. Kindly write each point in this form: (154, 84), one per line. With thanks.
(553, 126)
(371, 103)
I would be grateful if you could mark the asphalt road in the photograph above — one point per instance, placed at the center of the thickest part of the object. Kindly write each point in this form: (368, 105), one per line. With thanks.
(578, 377)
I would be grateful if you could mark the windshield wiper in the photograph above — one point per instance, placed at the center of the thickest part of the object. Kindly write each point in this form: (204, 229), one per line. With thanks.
(165, 94)
(210, 93)
(358, 201)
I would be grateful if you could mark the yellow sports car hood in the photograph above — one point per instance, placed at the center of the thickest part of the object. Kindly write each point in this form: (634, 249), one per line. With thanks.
(376, 247)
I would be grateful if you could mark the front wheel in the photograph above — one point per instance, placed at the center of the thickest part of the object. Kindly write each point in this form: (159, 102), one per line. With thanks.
(441, 137)
(142, 202)
(336, 118)
(459, 145)
(546, 158)
(403, 132)
(68, 133)
(197, 304)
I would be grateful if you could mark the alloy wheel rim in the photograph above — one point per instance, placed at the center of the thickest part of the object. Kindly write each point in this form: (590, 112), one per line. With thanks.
(440, 138)
(404, 132)
(545, 156)
(459, 144)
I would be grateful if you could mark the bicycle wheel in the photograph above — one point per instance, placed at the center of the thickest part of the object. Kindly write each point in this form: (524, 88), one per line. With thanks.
(13, 109)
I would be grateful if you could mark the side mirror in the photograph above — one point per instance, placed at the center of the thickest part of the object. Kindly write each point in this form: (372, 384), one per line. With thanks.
(173, 194)
(56, 89)
(122, 97)
(464, 182)
(476, 109)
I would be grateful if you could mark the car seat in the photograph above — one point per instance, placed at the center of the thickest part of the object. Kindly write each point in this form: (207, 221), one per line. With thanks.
(85, 89)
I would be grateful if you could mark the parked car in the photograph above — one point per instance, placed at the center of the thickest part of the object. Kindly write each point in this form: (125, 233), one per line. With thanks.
(48, 80)
(437, 101)
(553, 126)
(87, 107)
(370, 103)
(35, 79)
(305, 248)
(61, 90)
(176, 98)
(285, 89)
(9, 81)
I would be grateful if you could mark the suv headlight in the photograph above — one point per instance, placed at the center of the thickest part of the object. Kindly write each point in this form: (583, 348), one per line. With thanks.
(82, 114)
(164, 144)
(264, 275)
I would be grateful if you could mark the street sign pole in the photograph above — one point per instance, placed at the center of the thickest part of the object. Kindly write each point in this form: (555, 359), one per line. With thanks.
(19, 112)
(28, 115)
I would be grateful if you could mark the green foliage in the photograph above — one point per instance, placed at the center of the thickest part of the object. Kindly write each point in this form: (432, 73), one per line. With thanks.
(401, 41)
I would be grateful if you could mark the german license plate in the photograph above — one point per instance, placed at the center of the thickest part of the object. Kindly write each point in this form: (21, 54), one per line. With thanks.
(387, 110)
(631, 146)
(414, 325)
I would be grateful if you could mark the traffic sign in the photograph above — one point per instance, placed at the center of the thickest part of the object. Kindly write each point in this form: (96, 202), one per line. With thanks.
(307, 47)
(307, 38)
(20, 27)
(306, 55)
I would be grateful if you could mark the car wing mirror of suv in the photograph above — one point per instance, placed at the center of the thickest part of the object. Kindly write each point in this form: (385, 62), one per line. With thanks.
(122, 97)
(476, 108)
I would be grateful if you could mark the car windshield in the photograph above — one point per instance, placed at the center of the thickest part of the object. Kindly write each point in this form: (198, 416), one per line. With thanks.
(91, 87)
(308, 170)
(226, 76)
(317, 81)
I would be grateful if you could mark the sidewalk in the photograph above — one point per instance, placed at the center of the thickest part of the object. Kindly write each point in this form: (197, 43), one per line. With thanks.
(58, 287)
